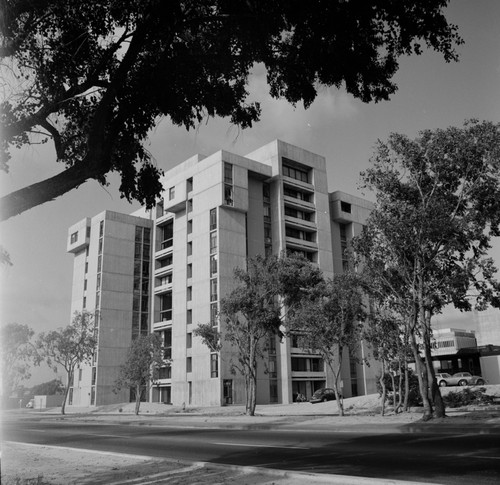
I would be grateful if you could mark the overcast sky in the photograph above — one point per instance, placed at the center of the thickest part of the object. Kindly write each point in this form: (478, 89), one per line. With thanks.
(36, 290)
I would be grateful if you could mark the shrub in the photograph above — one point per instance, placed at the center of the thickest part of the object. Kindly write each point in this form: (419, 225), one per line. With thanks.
(414, 398)
(467, 397)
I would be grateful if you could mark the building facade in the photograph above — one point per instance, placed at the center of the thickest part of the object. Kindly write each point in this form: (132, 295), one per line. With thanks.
(217, 211)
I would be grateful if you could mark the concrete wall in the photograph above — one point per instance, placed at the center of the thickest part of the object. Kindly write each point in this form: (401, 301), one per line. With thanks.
(490, 368)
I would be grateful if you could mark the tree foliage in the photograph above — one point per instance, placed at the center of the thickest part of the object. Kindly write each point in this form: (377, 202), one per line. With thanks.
(144, 359)
(267, 291)
(68, 347)
(426, 243)
(49, 388)
(329, 323)
(94, 78)
(17, 355)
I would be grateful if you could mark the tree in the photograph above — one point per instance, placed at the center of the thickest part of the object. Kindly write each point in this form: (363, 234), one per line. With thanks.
(68, 347)
(253, 312)
(328, 322)
(141, 369)
(94, 78)
(438, 205)
(17, 355)
(388, 340)
(50, 388)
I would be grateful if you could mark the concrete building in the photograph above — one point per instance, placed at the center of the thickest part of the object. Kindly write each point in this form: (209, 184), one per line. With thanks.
(216, 212)
(111, 276)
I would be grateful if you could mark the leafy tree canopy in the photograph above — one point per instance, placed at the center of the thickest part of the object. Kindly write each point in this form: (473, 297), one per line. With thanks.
(95, 77)
(17, 355)
(68, 347)
(144, 359)
(50, 388)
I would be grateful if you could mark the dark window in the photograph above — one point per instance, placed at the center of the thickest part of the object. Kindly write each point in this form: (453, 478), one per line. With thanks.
(228, 195)
(189, 184)
(213, 265)
(214, 365)
(74, 237)
(228, 173)
(167, 235)
(213, 242)
(345, 207)
(301, 174)
(213, 219)
(189, 364)
(171, 193)
(189, 340)
(166, 307)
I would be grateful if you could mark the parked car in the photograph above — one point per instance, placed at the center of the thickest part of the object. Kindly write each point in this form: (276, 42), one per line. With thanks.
(31, 403)
(322, 395)
(459, 379)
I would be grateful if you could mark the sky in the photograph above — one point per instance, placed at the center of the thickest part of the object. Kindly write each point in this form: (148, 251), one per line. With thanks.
(36, 289)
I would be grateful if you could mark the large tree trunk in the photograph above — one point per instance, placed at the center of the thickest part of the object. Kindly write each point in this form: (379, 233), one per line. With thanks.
(66, 392)
(137, 399)
(407, 388)
(422, 379)
(382, 385)
(434, 391)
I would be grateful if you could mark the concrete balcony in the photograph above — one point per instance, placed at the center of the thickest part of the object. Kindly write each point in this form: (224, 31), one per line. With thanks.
(301, 244)
(300, 224)
(163, 288)
(299, 203)
(298, 184)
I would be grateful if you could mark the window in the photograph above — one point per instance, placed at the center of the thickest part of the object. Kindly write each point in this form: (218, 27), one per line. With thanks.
(80, 371)
(297, 214)
(190, 227)
(267, 213)
(214, 365)
(165, 372)
(273, 391)
(189, 271)
(213, 265)
(189, 364)
(228, 173)
(213, 289)
(167, 344)
(84, 302)
(296, 194)
(295, 233)
(74, 237)
(92, 395)
(273, 373)
(266, 192)
(88, 232)
(167, 261)
(167, 235)
(189, 340)
(213, 242)
(85, 284)
(189, 293)
(301, 174)
(228, 195)
(101, 228)
(213, 314)
(213, 219)
(94, 375)
(345, 207)
(189, 317)
(190, 205)
(189, 248)
(166, 307)
(189, 184)
(171, 193)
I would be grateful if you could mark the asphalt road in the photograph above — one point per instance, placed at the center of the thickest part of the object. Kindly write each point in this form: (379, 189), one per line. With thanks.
(448, 459)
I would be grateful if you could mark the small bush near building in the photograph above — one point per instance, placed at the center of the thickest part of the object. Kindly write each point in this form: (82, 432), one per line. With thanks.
(414, 398)
(468, 397)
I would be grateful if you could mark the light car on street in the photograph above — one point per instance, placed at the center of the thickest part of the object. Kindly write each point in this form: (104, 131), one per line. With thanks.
(459, 379)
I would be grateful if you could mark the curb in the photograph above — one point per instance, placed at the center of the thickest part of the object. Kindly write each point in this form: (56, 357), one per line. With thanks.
(306, 477)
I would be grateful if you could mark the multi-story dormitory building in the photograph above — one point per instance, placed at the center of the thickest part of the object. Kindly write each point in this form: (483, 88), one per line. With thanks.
(166, 270)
